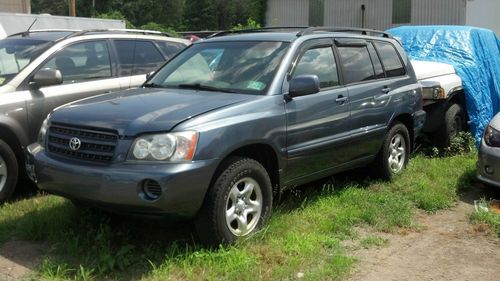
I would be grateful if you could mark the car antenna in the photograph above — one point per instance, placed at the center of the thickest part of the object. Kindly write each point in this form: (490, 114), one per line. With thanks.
(27, 32)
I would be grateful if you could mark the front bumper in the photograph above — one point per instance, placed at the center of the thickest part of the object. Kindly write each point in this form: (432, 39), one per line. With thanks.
(488, 165)
(120, 186)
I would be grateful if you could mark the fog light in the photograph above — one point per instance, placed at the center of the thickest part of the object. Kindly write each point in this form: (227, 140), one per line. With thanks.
(488, 169)
(152, 189)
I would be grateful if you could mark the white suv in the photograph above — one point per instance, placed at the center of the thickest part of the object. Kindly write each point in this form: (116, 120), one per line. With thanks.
(43, 69)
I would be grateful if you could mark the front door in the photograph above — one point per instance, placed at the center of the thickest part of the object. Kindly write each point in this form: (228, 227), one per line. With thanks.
(317, 124)
(86, 70)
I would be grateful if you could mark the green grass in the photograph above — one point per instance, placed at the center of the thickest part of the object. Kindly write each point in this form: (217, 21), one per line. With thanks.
(303, 238)
(489, 219)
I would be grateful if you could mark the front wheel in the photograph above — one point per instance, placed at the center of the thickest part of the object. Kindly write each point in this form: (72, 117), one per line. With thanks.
(395, 152)
(238, 203)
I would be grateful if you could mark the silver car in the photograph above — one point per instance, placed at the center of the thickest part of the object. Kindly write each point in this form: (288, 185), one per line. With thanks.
(44, 69)
(488, 166)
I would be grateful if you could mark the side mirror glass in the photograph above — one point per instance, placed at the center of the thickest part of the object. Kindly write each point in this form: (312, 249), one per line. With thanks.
(46, 77)
(303, 85)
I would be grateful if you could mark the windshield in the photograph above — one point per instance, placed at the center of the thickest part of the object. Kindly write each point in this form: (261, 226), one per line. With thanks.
(240, 67)
(16, 54)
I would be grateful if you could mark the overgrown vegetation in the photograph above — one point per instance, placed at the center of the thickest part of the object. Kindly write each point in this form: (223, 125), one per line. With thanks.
(305, 236)
(165, 15)
(487, 218)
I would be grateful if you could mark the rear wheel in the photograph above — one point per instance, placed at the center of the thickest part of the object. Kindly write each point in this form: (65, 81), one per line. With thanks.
(238, 203)
(395, 152)
(8, 171)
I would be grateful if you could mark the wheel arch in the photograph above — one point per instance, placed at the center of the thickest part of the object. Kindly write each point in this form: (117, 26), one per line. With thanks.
(458, 97)
(407, 120)
(263, 153)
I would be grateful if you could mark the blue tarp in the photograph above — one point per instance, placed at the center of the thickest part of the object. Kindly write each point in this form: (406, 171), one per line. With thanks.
(475, 54)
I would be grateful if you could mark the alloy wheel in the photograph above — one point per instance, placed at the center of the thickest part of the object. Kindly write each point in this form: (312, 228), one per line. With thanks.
(244, 206)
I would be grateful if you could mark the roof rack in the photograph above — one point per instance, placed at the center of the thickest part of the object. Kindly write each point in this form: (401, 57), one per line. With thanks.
(44, 30)
(362, 31)
(138, 31)
(262, 29)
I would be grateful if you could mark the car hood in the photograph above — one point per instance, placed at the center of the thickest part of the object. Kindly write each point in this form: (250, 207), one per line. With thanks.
(143, 110)
(428, 69)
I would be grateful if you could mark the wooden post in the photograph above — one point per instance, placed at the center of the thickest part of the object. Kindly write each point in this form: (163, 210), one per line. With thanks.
(72, 8)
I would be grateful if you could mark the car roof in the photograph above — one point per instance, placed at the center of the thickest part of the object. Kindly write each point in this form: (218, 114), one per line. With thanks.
(60, 34)
(289, 34)
(42, 35)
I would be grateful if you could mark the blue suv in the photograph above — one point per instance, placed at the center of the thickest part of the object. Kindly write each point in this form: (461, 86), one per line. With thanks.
(230, 122)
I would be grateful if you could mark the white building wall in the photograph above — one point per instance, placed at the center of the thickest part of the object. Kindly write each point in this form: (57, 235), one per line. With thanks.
(15, 6)
(287, 13)
(484, 13)
(449, 12)
(378, 13)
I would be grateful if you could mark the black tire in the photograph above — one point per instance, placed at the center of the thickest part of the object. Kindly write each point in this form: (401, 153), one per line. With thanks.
(382, 164)
(7, 182)
(453, 123)
(211, 224)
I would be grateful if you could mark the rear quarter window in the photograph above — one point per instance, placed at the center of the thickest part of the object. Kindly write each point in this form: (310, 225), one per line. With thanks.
(390, 59)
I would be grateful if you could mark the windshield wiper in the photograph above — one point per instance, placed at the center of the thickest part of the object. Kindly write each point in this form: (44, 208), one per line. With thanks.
(198, 86)
(153, 85)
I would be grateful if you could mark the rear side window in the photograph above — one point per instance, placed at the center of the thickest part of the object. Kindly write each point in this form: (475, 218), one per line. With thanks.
(377, 66)
(390, 59)
(357, 64)
(320, 62)
(137, 57)
(125, 50)
(147, 57)
(170, 49)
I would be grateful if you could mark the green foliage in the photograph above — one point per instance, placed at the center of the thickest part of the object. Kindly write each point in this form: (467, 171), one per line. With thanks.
(462, 143)
(250, 24)
(158, 27)
(116, 15)
(168, 14)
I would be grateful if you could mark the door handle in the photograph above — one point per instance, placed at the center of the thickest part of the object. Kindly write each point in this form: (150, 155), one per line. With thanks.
(386, 90)
(341, 99)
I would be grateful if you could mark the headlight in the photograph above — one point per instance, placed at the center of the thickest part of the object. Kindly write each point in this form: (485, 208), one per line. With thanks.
(43, 131)
(433, 93)
(172, 147)
(492, 136)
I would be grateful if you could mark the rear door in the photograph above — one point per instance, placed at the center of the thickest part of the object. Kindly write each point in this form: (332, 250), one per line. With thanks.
(369, 95)
(317, 124)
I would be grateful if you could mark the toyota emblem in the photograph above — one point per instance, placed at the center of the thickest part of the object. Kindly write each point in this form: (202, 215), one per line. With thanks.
(75, 143)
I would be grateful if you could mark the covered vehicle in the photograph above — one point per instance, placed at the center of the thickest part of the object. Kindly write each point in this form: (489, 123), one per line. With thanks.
(475, 55)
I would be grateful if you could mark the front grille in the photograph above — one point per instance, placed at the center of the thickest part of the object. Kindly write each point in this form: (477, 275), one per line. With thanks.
(95, 145)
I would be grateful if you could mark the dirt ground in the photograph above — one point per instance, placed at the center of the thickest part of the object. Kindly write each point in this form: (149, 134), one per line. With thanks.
(447, 248)
(18, 259)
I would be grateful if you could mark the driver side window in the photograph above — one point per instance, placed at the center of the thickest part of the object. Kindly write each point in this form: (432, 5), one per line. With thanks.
(82, 62)
(320, 62)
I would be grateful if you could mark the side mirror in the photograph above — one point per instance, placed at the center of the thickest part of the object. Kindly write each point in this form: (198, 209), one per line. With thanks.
(46, 77)
(148, 75)
(303, 85)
